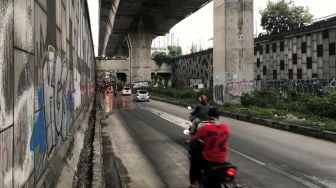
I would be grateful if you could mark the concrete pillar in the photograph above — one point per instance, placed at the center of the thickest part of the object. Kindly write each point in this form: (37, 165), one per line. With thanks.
(140, 55)
(233, 48)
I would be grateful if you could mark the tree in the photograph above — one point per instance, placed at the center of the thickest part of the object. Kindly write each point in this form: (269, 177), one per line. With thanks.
(284, 15)
(174, 51)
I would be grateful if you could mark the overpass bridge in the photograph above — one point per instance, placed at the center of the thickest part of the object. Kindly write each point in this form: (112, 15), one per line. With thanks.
(127, 28)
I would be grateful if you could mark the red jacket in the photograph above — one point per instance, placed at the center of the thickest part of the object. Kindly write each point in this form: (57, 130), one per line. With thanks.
(215, 138)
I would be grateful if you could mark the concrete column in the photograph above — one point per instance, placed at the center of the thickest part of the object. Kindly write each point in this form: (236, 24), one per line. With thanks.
(140, 55)
(233, 48)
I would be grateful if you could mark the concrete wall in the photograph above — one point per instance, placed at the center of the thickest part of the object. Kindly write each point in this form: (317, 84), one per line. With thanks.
(47, 73)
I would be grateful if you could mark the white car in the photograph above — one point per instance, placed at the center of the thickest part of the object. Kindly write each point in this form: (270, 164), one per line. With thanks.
(126, 91)
(141, 95)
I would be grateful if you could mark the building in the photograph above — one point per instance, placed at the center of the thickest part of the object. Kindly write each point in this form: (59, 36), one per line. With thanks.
(300, 54)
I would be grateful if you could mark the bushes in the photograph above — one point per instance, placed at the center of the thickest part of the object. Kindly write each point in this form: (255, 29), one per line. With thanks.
(324, 106)
(321, 105)
(185, 93)
(261, 99)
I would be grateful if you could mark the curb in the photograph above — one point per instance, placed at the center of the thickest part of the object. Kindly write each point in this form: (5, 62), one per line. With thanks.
(97, 162)
(316, 133)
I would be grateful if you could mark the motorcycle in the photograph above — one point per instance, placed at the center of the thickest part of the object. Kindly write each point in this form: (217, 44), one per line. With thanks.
(217, 175)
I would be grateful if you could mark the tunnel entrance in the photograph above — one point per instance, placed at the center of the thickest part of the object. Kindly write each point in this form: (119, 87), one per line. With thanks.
(121, 78)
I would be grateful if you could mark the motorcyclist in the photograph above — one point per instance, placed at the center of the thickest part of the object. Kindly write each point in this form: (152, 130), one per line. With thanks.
(214, 138)
(199, 114)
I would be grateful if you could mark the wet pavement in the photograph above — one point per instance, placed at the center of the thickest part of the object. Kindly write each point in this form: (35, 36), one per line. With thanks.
(135, 153)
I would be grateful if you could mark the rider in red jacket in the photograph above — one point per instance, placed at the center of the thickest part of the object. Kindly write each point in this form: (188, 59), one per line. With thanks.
(214, 137)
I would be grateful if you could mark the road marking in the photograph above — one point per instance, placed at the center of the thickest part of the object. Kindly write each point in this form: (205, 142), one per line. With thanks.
(247, 157)
(178, 121)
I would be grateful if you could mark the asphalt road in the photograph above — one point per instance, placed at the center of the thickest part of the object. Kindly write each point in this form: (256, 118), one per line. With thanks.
(147, 141)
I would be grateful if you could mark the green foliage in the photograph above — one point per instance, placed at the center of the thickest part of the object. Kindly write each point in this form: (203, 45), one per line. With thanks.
(283, 15)
(324, 106)
(174, 51)
(162, 57)
(261, 112)
(261, 99)
(320, 105)
(185, 93)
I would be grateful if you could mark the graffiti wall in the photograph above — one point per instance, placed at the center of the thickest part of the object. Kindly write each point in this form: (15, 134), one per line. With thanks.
(47, 73)
(308, 86)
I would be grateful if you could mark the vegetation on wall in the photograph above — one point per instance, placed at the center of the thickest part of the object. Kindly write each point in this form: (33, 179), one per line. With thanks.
(283, 15)
(163, 57)
(174, 51)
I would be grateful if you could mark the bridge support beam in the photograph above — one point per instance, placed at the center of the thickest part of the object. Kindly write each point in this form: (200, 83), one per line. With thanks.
(233, 48)
(140, 55)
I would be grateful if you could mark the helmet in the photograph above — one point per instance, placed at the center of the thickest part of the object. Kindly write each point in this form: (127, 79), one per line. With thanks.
(202, 99)
(213, 113)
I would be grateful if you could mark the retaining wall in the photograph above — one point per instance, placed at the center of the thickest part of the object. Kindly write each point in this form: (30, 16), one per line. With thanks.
(47, 78)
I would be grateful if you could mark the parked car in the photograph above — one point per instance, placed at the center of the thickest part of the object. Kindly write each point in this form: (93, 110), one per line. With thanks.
(141, 95)
(126, 91)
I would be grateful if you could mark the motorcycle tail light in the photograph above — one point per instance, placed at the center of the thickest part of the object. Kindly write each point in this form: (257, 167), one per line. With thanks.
(231, 171)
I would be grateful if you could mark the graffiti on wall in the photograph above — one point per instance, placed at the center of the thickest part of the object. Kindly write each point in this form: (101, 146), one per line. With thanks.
(49, 86)
(238, 88)
(308, 86)
(140, 84)
(56, 92)
(219, 93)
(194, 82)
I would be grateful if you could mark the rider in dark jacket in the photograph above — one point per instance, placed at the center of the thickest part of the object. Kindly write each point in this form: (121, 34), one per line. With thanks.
(200, 113)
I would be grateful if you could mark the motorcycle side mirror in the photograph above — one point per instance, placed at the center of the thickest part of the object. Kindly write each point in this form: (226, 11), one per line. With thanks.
(189, 107)
(186, 132)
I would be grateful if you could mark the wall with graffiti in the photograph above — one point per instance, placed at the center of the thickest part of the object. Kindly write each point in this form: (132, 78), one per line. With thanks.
(47, 71)
(307, 86)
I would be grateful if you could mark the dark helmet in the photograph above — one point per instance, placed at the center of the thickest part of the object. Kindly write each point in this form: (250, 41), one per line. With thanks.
(202, 99)
(213, 113)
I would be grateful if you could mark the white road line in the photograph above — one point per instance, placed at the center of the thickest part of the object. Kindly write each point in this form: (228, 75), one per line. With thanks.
(247, 157)
(182, 123)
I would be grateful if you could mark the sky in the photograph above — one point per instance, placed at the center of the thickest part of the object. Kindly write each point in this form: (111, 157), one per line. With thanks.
(198, 28)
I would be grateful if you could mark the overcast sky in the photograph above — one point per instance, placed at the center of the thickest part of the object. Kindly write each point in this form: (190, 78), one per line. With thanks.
(199, 26)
